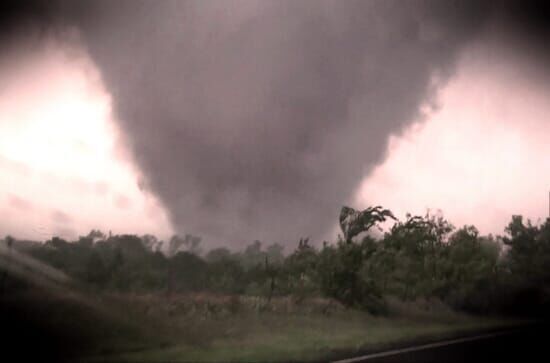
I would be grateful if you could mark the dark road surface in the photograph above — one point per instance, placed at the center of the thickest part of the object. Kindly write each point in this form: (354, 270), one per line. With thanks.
(523, 345)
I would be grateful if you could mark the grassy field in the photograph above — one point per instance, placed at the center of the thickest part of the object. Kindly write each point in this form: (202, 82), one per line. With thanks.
(212, 329)
(67, 322)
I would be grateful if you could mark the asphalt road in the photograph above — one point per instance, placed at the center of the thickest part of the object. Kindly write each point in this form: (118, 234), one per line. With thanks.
(523, 345)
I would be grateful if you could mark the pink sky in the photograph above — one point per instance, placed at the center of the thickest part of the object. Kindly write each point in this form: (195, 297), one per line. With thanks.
(482, 155)
(63, 170)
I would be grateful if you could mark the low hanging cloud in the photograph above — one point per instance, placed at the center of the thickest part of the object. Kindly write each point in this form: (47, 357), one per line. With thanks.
(258, 120)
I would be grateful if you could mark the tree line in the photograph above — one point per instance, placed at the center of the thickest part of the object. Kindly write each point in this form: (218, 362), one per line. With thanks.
(420, 257)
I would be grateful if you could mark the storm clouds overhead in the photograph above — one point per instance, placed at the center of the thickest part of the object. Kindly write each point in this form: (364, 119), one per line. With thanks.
(259, 120)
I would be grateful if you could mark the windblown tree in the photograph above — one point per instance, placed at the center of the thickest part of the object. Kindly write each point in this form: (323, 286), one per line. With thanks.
(353, 222)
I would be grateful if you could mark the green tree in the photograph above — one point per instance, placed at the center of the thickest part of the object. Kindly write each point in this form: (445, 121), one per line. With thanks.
(354, 222)
(343, 275)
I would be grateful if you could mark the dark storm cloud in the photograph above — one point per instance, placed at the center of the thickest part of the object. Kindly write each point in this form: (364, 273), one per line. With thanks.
(258, 120)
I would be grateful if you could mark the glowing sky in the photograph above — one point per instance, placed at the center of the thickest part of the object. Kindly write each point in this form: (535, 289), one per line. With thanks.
(63, 170)
(482, 155)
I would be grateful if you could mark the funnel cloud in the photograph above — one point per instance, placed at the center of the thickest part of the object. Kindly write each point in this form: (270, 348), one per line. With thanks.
(258, 120)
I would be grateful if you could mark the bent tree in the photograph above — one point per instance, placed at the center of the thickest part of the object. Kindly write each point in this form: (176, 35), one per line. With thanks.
(353, 222)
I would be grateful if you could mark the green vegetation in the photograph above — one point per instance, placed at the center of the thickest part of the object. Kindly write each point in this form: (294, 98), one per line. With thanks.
(139, 298)
(310, 336)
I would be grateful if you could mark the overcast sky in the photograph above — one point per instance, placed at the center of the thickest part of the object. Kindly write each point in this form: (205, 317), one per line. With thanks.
(243, 120)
